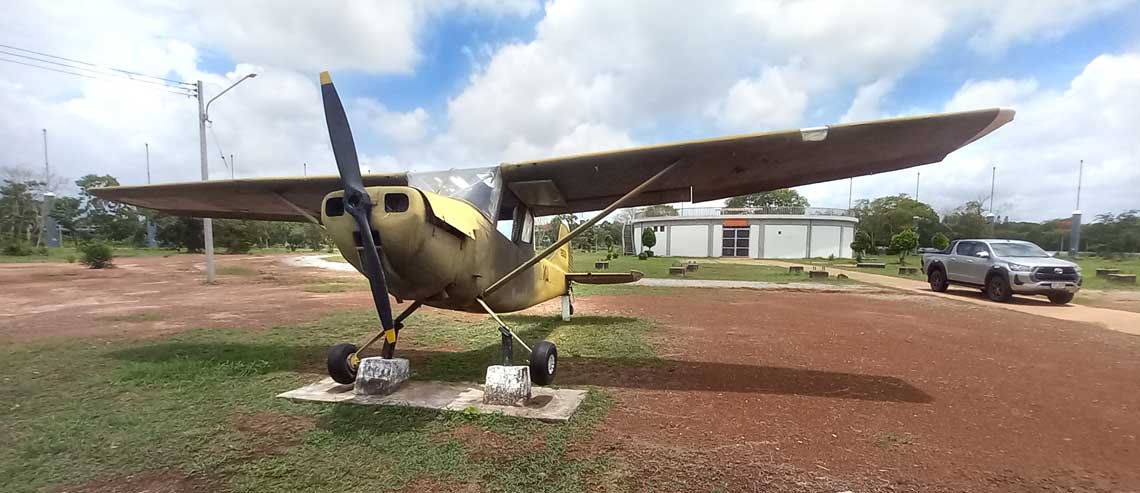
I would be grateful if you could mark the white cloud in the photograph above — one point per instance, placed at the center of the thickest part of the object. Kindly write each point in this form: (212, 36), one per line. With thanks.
(776, 99)
(866, 105)
(393, 126)
(991, 93)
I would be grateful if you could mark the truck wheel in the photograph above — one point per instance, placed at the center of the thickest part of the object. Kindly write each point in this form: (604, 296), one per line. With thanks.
(938, 282)
(1060, 298)
(997, 288)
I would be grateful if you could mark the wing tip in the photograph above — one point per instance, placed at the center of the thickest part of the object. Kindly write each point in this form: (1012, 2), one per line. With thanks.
(326, 78)
(1002, 116)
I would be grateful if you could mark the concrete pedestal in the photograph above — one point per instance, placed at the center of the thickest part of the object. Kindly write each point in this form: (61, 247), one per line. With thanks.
(566, 301)
(507, 386)
(379, 376)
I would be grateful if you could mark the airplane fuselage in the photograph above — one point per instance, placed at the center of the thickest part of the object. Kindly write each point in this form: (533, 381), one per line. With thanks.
(445, 252)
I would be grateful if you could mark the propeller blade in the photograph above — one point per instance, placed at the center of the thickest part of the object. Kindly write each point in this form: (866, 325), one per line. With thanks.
(357, 202)
(344, 148)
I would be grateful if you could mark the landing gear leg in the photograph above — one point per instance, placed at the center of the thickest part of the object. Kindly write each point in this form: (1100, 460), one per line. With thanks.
(344, 359)
(543, 358)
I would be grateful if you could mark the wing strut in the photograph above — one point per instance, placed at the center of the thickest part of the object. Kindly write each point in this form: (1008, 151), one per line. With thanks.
(581, 228)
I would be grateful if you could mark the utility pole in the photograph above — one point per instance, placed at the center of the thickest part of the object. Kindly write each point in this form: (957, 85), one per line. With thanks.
(151, 241)
(203, 116)
(917, 177)
(47, 170)
(48, 229)
(993, 215)
(207, 223)
(231, 166)
(305, 168)
(850, 188)
(1075, 239)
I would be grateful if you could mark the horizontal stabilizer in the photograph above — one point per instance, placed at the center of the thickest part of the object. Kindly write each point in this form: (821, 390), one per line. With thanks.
(604, 277)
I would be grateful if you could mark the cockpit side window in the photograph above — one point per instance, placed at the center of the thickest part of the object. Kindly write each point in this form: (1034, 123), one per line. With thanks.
(522, 229)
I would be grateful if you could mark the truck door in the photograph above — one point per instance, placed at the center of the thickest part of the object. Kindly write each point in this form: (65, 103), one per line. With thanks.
(966, 266)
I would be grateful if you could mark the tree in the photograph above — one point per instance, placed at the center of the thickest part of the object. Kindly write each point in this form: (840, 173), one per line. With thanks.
(179, 232)
(860, 245)
(903, 242)
(67, 213)
(968, 221)
(648, 239)
(885, 217)
(784, 197)
(19, 211)
(940, 241)
(105, 219)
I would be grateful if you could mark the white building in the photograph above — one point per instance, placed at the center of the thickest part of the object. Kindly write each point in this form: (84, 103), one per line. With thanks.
(780, 232)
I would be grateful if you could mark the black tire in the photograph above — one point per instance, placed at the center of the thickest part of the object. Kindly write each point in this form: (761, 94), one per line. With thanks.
(543, 363)
(997, 288)
(938, 281)
(1060, 298)
(339, 368)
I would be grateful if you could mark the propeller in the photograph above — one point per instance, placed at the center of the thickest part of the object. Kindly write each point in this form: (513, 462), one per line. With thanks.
(358, 204)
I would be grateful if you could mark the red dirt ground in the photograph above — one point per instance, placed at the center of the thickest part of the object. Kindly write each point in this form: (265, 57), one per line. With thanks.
(758, 390)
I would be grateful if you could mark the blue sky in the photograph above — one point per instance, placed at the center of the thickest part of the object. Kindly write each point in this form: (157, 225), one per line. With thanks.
(459, 83)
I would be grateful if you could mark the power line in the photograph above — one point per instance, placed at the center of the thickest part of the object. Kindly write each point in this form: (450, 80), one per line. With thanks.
(128, 77)
(171, 89)
(128, 72)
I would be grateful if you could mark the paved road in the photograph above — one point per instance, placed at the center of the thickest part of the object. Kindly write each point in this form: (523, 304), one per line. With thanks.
(1127, 322)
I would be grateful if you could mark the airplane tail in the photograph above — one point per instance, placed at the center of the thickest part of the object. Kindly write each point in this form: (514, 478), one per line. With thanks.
(561, 257)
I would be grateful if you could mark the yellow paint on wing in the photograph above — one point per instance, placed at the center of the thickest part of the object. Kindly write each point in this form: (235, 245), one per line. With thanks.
(326, 78)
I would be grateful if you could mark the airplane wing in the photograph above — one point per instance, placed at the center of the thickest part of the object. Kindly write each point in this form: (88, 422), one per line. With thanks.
(739, 165)
(272, 199)
(712, 169)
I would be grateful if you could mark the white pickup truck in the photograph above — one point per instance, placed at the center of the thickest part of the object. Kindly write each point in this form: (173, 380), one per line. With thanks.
(1002, 268)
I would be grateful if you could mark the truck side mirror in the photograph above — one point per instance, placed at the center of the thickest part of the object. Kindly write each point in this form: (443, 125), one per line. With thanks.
(982, 254)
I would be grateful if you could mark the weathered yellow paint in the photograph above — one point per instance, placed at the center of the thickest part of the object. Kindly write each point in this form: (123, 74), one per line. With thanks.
(444, 252)
(325, 78)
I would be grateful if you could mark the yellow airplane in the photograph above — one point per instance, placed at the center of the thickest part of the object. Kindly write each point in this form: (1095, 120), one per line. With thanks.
(434, 239)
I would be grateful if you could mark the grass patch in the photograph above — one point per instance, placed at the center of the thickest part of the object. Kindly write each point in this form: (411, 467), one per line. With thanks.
(172, 404)
(658, 267)
(1089, 265)
(235, 270)
(134, 317)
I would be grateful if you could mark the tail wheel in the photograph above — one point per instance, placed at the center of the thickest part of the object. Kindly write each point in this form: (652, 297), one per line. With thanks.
(543, 363)
(938, 282)
(997, 288)
(342, 363)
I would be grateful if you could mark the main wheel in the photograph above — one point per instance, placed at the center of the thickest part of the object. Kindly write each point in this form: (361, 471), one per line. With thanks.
(997, 288)
(938, 282)
(543, 363)
(340, 363)
(1060, 298)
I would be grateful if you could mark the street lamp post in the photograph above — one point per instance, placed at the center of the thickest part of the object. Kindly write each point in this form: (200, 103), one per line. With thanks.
(203, 117)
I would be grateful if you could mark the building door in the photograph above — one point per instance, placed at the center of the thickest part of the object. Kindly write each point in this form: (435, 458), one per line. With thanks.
(734, 242)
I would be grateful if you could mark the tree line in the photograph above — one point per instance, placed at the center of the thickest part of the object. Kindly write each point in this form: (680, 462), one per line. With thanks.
(84, 218)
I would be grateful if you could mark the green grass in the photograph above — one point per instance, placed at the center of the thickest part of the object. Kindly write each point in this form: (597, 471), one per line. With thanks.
(658, 267)
(64, 254)
(174, 404)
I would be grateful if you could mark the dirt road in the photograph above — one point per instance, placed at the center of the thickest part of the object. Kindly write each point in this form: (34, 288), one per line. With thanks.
(1120, 320)
(756, 390)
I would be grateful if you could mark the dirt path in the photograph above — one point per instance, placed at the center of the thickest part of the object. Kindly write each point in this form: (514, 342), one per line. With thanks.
(148, 296)
(1120, 320)
(891, 392)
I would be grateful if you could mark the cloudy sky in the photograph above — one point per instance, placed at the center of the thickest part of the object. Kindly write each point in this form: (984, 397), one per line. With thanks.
(461, 83)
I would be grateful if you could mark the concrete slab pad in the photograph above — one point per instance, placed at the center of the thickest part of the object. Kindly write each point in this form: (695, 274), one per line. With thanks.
(546, 404)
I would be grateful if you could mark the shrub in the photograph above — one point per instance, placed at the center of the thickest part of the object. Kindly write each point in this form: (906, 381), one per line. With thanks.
(649, 253)
(95, 255)
(70, 259)
(642, 256)
(940, 241)
(16, 249)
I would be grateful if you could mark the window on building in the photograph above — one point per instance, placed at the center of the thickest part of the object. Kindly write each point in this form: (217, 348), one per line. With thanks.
(734, 242)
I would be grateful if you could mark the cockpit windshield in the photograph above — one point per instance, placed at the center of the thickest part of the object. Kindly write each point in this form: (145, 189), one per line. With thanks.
(482, 187)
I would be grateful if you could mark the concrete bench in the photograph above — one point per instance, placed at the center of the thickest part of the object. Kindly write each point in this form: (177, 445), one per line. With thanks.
(1123, 278)
(821, 274)
(796, 269)
(1104, 272)
(602, 264)
(677, 269)
(692, 266)
(871, 265)
(910, 271)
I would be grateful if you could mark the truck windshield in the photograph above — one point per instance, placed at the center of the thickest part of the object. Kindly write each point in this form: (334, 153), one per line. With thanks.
(1018, 250)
